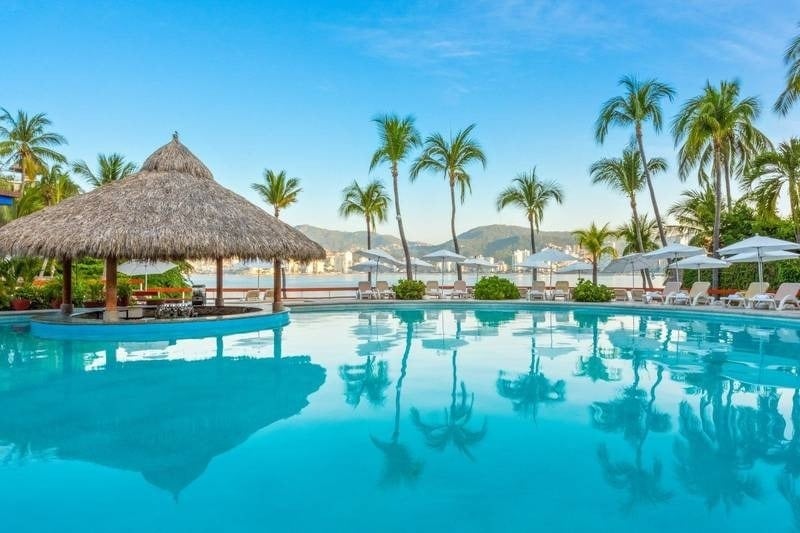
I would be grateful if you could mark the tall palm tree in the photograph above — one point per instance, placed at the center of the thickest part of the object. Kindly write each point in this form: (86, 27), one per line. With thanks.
(593, 240)
(451, 157)
(626, 175)
(640, 104)
(397, 137)
(28, 144)
(56, 185)
(707, 127)
(111, 167)
(639, 235)
(370, 202)
(771, 172)
(791, 92)
(532, 195)
(280, 192)
(694, 215)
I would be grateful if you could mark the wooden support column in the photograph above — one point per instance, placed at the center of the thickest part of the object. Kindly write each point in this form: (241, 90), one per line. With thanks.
(220, 300)
(66, 289)
(277, 294)
(111, 314)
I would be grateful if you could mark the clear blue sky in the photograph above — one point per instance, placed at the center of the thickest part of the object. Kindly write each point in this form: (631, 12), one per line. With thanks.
(293, 85)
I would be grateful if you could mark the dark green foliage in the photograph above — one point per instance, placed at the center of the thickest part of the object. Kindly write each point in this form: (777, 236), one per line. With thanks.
(33, 294)
(586, 291)
(496, 288)
(740, 275)
(407, 289)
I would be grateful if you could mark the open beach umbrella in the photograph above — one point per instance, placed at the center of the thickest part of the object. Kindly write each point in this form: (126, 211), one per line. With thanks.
(633, 262)
(550, 256)
(761, 258)
(674, 251)
(139, 268)
(698, 262)
(373, 266)
(444, 256)
(533, 264)
(578, 267)
(759, 245)
(417, 264)
(477, 263)
(379, 256)
(258, 266)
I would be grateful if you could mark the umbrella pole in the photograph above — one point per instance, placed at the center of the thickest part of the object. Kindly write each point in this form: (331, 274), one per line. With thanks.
(145, 278)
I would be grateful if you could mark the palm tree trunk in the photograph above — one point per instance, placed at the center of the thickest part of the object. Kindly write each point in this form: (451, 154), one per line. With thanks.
(277, 270)
(640, 243)
(594, 269)
(794, 206)
(717, 212)
(727, 166)
(453, 223)
(369, 247)
(656, 213)
(400, 221)
(533, 242)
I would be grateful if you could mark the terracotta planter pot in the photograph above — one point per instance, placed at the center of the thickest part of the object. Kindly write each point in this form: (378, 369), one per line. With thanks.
(20, 304)
(56, 304)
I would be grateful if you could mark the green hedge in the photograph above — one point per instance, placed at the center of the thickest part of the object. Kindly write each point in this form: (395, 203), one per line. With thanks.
(407, 289)
(740, 275)
(496, 288)
(586, 291)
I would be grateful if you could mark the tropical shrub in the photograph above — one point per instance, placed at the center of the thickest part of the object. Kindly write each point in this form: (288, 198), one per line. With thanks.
(94, 290)
(586, 291)
(496, 288)
(33, 294)
(407, 289)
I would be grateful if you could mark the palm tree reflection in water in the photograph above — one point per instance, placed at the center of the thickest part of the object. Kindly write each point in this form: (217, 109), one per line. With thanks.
(370, 379)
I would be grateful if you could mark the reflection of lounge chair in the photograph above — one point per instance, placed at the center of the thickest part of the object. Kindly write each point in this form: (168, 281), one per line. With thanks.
(537, 291)
(785, 295)
(383, 290)
(698, 294)
(742, 298)
(459, 289)
(562, 290)
(365, 291)
(670, 288)
(252, 296)
(432, 289)
(620, 295)
(637, 295)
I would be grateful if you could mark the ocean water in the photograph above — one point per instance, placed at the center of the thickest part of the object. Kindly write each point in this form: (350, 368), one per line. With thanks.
(429, 419)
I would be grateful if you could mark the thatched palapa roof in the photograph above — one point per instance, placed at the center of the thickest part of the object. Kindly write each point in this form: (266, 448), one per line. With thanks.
(171, 209)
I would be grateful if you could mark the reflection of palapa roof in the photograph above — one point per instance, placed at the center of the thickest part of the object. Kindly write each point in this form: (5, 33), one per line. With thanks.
(165, 419)
(171, 209)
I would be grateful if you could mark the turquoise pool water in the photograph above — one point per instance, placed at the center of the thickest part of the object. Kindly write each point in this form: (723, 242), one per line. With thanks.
(398, 420)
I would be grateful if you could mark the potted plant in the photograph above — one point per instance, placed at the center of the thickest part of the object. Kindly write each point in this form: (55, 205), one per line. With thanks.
(23, 297)
(124, 293)
(94, 294)
(52, 292)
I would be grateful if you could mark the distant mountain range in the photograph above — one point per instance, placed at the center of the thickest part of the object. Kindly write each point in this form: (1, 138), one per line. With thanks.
(496, 240)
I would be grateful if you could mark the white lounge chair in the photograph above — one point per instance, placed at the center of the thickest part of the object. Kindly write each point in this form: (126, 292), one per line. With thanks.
(784, 296)
(637, 295)
(620, 295)
(252, 296)
(562, 291)
(537, 292)
(383, 289)
(698, 294)
(742, 298)
(364, 291)
(670, 288)
(459, 289)
(432, 289)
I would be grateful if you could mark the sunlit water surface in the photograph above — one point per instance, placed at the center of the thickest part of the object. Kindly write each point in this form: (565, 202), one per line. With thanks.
(432, 420)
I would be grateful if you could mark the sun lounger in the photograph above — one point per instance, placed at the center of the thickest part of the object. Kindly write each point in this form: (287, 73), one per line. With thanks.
(252, 296)
(432, 289)
(784, 296)
(742, 298)
(620, 295)
(562, 291)
(459, 289)
(383, 290)
(537, 292)
(670, 288)
(698, 294)
(637, 295)
(365, 291)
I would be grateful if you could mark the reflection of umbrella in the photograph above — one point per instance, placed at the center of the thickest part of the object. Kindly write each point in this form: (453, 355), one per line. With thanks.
(758, 245)
(444, 256)
(477, 263)
(444, 343)
(761, 258)
(139, 268)
(698, 262)
(633, 262)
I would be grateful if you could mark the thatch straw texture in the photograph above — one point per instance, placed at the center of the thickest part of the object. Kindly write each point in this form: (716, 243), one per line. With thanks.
(171, 209)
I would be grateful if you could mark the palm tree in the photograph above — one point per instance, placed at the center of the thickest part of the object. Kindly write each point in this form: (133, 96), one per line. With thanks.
(28, 143)
(56, 185)
(643, 229)
(771, 172)
(280, 192)
(791, 93)
(532, 195)
(593, 240)
(708, 126)
(397, 137)
(640, 104)
(370, 202)
(694, 215)
(110, 168)
(451, 157)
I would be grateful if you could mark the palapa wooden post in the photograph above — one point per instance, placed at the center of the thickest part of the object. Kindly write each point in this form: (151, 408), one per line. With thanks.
(111, 314)
(277, 298)
(220, 299)
(66, 289)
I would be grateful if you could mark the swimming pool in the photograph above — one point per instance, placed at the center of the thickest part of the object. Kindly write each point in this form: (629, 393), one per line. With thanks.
(471, 419)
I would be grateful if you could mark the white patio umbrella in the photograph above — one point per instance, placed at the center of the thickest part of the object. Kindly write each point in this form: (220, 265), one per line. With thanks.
(633, 262)
(674, 251)
(532, 263)
(550, 256)
(444, 256)
(578, 267)
(379, 256)
(761, 258)
(258, 266)
(477, 263)
(698, 262)
(139, 268)
(373, 266)
(759, 244)
(416, 264)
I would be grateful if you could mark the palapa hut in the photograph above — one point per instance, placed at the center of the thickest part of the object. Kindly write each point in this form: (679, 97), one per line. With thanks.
(171, 209)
